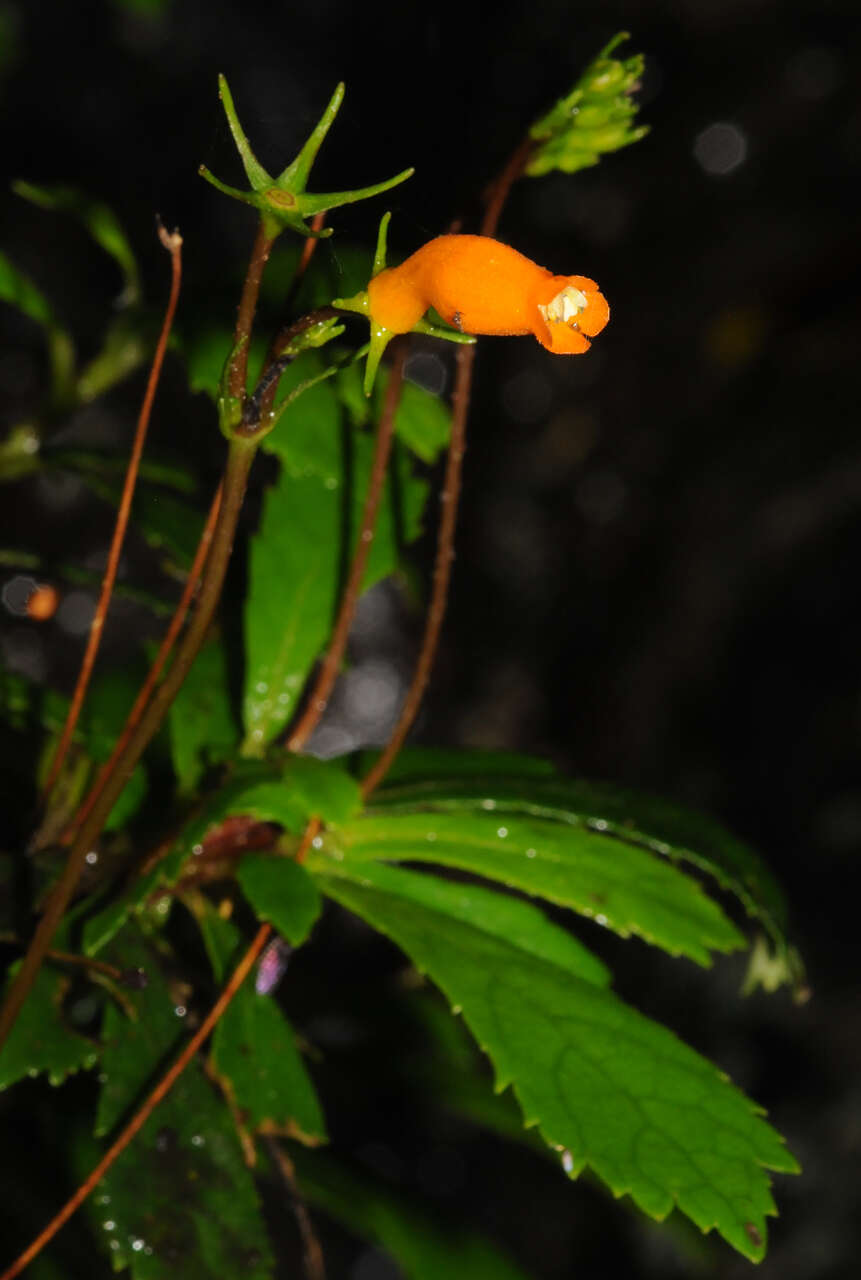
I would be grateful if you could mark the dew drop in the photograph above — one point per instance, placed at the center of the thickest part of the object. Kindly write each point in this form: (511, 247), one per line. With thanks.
(431, 835)
(599, 824)
(180, 1010)
(601, 919)
(198, 1140)
(109, 1225)
(502, 832)
(197, 850)
(488, 804)
(92, 858)
(567, 1162)
(530, 853)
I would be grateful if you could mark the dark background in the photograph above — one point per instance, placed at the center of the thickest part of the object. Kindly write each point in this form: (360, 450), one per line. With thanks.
(659, 545)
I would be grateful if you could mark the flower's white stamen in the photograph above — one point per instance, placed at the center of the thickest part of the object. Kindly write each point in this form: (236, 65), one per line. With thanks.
(565, 307)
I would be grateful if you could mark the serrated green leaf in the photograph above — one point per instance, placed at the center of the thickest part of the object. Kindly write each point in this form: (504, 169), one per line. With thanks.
(295, 570)
(288, 792)
(281, 892)
(606, 1086)
(596, 116)
(423, 1246)
(180, 1200)
(621, 886)
(40, 1041)
(203, 729)
(98, 219)
(254, 1052)
(665, 827)
(495, 914)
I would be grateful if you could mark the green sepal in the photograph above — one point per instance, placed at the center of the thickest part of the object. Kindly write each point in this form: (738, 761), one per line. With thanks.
(380, 335)
(283, 202)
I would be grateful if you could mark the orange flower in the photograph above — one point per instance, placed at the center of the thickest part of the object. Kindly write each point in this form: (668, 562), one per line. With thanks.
(481, 286)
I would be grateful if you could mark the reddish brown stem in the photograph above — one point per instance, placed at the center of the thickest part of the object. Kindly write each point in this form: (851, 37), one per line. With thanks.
(157, 667)
(449, 501)
(310, 245)
(142, 1115)
(173, 243)
(239, 459)
(441, 574)
(331, 664)
(238, 373)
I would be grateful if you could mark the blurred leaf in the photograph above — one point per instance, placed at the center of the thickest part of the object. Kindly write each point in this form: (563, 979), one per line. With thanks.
(40, 1041)
(27, 706)
(422, 422)
(164, 521)
(637, 819)
(337, 270)
(180, 1200)
(126, 345)
(621, 886)
(596, 117)
(203, 729)
(296, 568)
(254, 1052)
(20, 292)
(113, 467)
(606, 1086)
(206, 351)
(281, 892)
(99, 220)
(423, 1246)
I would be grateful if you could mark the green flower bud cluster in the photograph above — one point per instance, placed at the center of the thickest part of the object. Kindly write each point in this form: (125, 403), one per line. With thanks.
(596, 116)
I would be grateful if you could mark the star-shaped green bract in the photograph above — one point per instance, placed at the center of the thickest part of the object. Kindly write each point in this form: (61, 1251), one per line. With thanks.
(380, 336)
(283, 201)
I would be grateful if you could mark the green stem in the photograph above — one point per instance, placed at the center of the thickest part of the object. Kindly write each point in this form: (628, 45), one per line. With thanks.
(239, 459)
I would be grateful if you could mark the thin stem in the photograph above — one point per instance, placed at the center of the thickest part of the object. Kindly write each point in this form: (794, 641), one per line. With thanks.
(441, 574)
(315, 1268)
(173, 244)
(160, 659)
(308, 249)
(331, 664)
(239, 461)
(238, 374)
(143, 1113)
(449, 497)
(499, 189)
